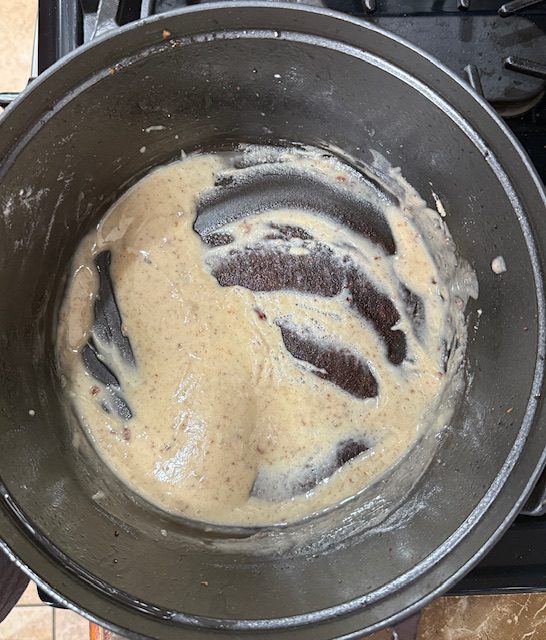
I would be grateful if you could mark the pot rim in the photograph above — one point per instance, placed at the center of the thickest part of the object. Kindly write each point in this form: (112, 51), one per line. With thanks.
(487, 501)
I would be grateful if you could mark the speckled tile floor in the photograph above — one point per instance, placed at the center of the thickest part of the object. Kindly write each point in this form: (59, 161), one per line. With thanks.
(32, 620)
(17, 20)
(507, 617)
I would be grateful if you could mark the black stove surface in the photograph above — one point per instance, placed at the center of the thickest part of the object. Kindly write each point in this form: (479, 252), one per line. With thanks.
(516, 563)
(500, 49)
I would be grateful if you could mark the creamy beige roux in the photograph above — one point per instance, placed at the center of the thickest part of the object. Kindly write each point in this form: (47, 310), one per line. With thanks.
(219, 405)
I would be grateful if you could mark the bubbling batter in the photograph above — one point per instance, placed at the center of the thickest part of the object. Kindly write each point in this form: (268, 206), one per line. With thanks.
(259, 368)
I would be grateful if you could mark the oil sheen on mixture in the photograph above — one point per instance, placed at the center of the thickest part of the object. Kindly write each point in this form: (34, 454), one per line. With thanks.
(251, 337)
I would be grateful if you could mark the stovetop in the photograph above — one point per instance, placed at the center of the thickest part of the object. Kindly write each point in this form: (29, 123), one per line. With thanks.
(503, 58)
(500, 49)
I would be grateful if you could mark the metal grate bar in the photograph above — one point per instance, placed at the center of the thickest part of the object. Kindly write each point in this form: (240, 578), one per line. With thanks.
(59, 30)
(510, 8)
(473, 75)
(7, 98)
(147, 8)
(527, 67)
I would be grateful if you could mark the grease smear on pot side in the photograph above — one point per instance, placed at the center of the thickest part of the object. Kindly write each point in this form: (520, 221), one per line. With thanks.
(283, 360)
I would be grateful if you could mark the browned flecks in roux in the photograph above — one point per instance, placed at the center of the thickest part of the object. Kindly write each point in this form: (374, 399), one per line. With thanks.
(276, 352)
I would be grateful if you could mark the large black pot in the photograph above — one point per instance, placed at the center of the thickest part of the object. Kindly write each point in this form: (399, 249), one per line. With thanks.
(207, 74)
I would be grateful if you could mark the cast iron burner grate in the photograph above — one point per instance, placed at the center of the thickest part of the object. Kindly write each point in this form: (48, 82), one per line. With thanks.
(500, 49)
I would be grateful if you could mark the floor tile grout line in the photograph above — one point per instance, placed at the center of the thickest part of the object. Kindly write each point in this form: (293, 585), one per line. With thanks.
(53, 624)
(26, 606)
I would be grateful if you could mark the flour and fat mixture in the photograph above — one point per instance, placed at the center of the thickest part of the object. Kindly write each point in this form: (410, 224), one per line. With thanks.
(258, 368)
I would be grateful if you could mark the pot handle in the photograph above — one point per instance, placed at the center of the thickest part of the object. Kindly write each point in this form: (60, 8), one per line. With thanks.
(536, 504)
